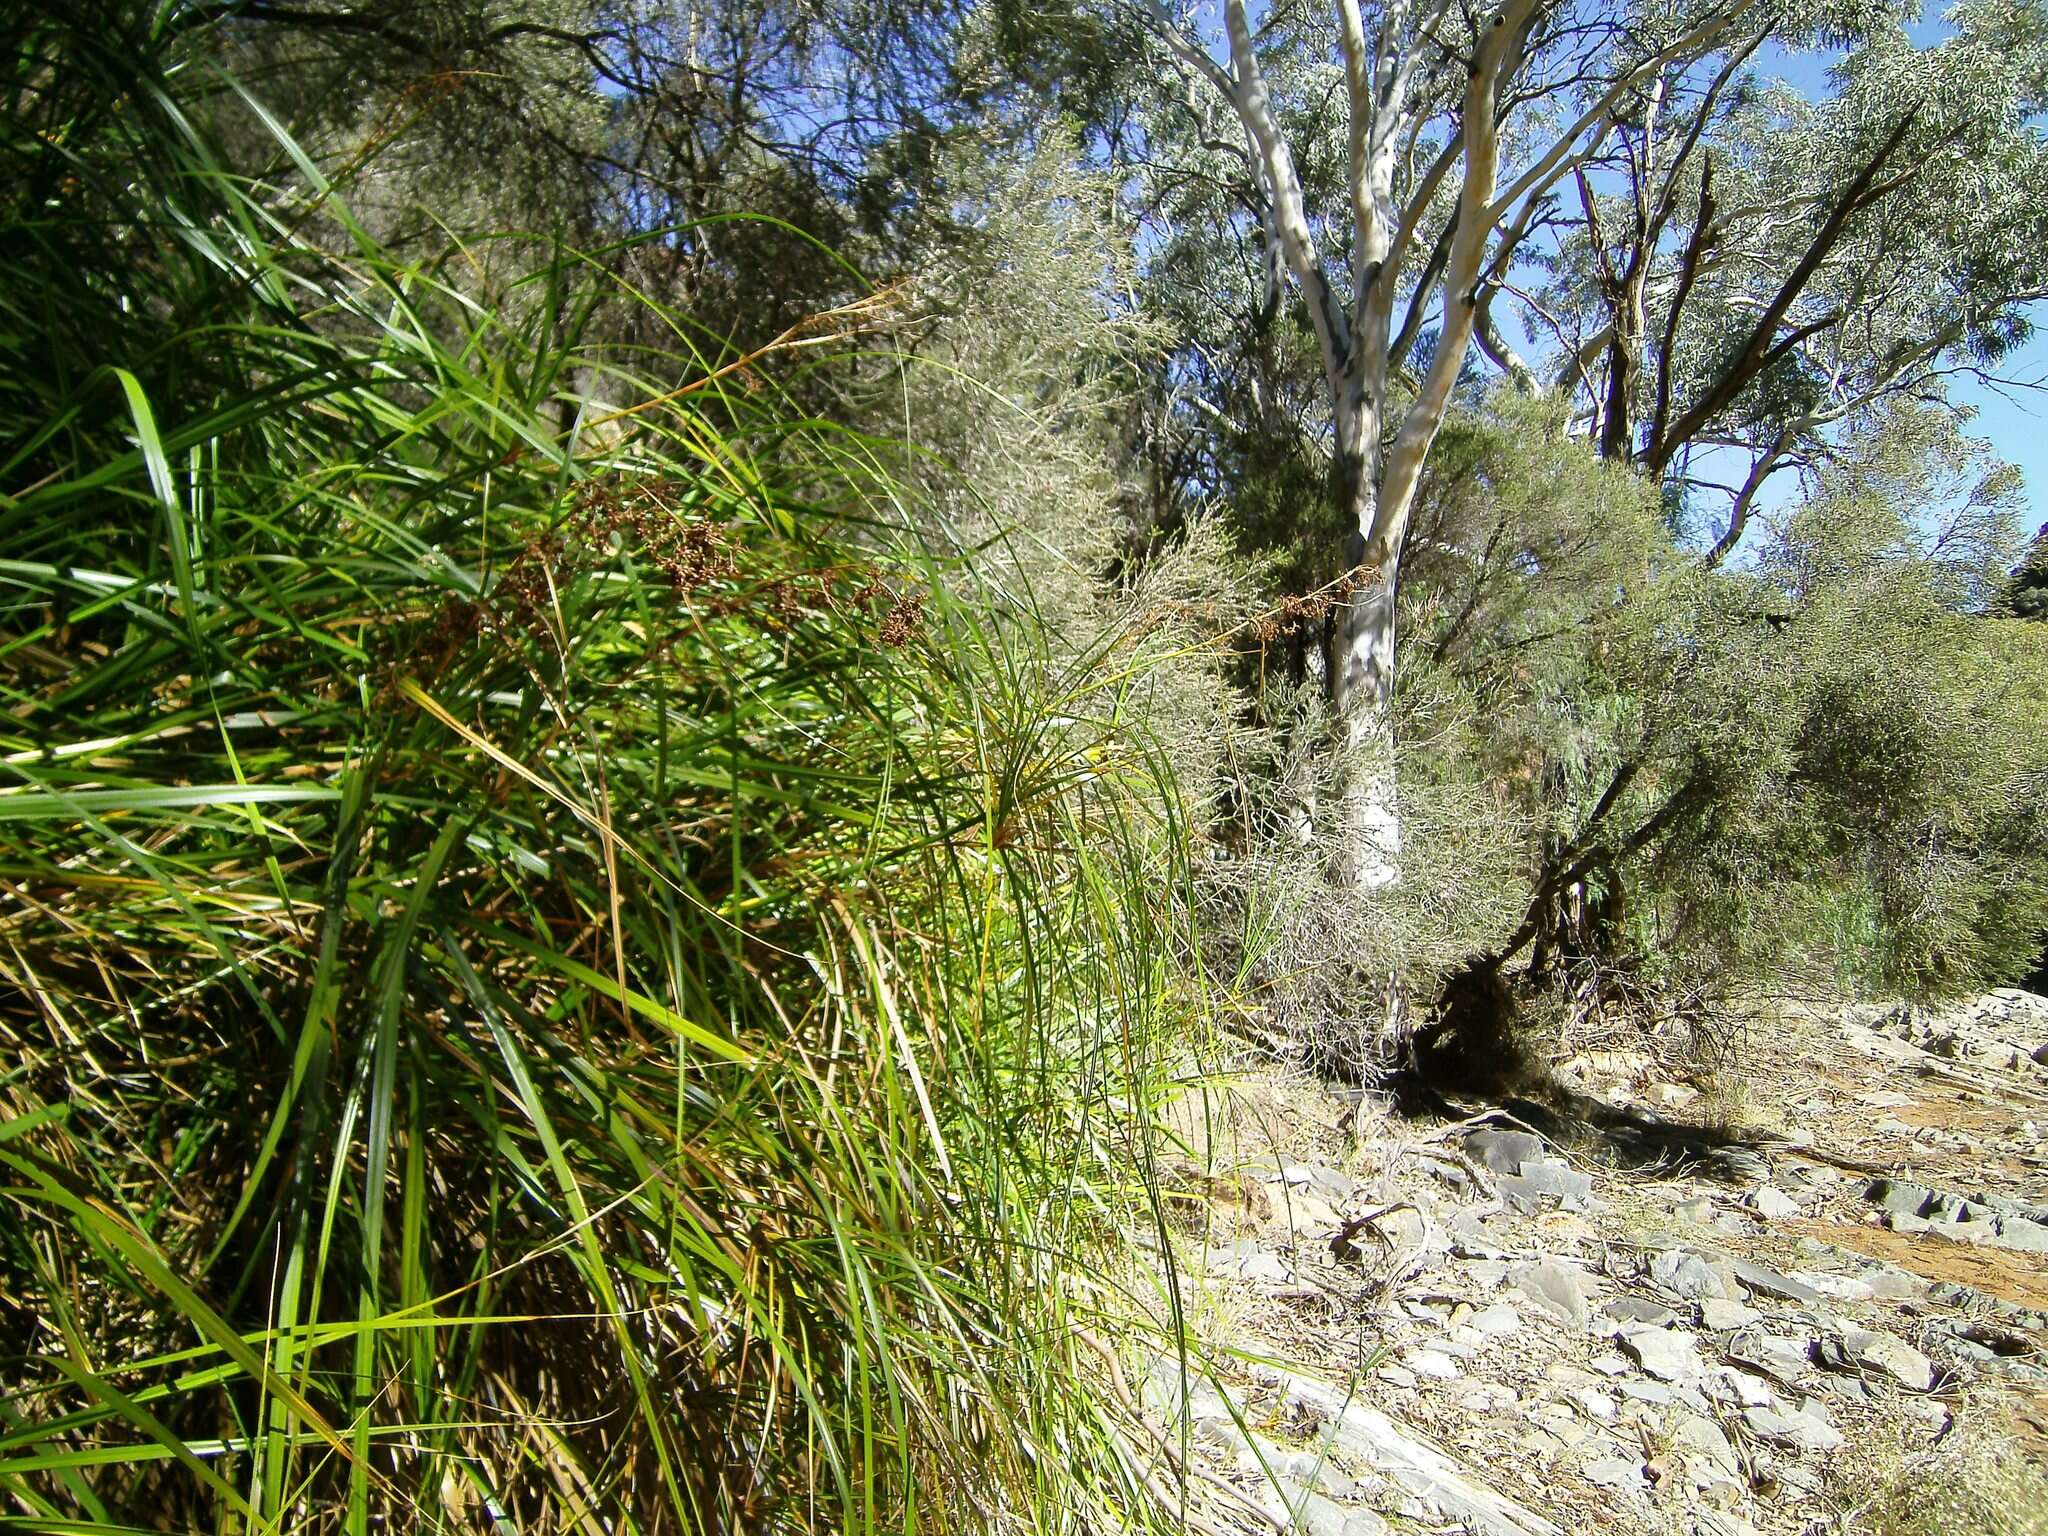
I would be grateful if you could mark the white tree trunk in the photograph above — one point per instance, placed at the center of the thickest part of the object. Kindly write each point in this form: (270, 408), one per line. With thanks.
(1370, 808)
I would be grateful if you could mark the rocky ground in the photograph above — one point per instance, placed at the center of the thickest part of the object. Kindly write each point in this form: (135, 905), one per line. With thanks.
(1683, 1309)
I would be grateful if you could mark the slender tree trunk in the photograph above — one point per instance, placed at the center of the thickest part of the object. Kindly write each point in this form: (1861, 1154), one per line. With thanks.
(1370, 810)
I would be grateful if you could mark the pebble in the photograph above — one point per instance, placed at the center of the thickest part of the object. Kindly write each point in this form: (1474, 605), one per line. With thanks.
(1596, 1405)
(1433, 1363)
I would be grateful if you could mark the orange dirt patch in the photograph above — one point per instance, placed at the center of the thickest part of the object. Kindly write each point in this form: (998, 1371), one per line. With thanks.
(1948, 1115)
(2017, 1277)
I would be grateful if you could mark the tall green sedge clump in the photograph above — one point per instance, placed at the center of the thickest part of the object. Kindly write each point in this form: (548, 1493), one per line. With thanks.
(542, 992)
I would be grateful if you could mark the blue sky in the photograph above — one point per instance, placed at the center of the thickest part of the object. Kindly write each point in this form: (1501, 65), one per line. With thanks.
(2013, 418)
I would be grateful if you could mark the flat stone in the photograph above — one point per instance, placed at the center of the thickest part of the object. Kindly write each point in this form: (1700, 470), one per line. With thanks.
(1433, 1363)
(1835, 1287)
(1664, 1353)
(1559, 1290)
(1633, 1309)
(1617, 1473)
(2021, 1235)
(1883, 1352)
(1775, 1355)
(1768, 1282)
(1899, 1197)
(1739, 1389)
(1697, 1211)
(1910, 1226)
(1703, 1435)
(1644, 1391)
(1771, 1203)
(1686, 1274)
(1718, 1316)
(1609, 1365)
(1794, 1431)
(1503, 1151)
(1497, 1321)
(1894, 1284)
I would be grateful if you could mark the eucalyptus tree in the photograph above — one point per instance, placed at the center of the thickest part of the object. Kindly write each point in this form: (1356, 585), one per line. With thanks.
(1456, 125)
(1751, 269)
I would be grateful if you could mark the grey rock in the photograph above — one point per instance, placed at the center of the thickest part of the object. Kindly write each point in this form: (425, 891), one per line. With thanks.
(1703, 1435)
(1774, 1355)
(1686, 1274)
(1893, 1284)
(1719, 1316)
(1698, 1210)
(1664, 1353)
(1644, 1391)
(2021, 1235)
(1898, 1197)
(1559, 1290)
(1433, 1363)
(1633, 1309)
(1946, 1207)
(1547, 1178)
(1739, 1389)
(1795, 1431)
(1617, 1473)
(1910, 1226)
(1501, 1150)
(1497, 1321)
(1771, 1203)
(1883, 1353)
(1768, 1282)
(1835, 1287)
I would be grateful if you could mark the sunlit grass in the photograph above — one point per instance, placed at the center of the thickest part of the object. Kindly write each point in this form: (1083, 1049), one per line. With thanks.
(545, 990)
